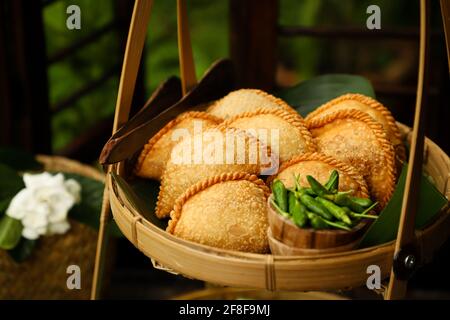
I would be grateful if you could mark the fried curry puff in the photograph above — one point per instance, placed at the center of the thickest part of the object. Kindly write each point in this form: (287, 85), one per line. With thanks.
(227, 211)
(320, 167)
(215, 151)
(373, 108)
(285, 132)
(155, 154)
(354, 137)
(245, 100)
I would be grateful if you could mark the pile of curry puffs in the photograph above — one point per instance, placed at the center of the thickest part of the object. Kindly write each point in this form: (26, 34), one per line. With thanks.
(223, 203)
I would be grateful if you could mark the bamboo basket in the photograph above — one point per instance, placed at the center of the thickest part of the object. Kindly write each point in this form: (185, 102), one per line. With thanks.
(290, 273)
(329, 271)
(43, 275)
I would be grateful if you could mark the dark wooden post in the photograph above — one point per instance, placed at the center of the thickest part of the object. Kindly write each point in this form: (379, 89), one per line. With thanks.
(24, 87)
(253, 42)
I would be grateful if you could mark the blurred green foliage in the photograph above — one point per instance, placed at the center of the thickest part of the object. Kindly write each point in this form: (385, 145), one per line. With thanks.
(304, 57)
(209, 35)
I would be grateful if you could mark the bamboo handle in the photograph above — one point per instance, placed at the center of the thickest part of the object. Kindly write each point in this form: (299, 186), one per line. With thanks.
(445, 10)
(187, 66)
(405, 236)
(133, 52)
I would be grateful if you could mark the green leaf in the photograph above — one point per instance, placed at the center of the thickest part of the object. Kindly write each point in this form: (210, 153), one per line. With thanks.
(10, 184)
(10, 232)
(142, 189)
(310, 94)
(23, 250)
(385, 228)
(19, 160)
(4, 205)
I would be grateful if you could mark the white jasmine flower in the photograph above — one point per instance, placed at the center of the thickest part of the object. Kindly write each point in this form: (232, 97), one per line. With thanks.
(18, 206)
(59, 227)
(44, 204)
(30, 234)
(74, 189)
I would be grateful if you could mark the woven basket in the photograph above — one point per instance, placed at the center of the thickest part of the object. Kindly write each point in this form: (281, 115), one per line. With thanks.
(43, 275)
(294, 273)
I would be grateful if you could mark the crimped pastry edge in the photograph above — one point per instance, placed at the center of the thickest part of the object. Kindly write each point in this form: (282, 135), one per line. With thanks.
(223, 129)
(372, 103)
(293, 119)
(280, 102)
(153, 140)
(379, 133)
(175, 214)
(347, 169)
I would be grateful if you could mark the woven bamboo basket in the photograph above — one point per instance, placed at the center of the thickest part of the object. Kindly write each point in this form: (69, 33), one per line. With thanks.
(284, 273)
(297, 273)
(43, 275)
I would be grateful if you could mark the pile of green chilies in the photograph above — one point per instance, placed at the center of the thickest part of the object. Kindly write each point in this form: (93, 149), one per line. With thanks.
(320, 206)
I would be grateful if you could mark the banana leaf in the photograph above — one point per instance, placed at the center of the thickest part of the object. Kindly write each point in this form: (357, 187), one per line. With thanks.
(308, 95)
(385, 228)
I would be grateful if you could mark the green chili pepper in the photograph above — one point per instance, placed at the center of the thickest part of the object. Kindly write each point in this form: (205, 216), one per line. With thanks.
(343, 199)
(338, 224)
(363, 202)
(317, 222)
(315, 206)
(280, 194)
(309, 191)
(291, 200)
(317, 187)
(333, 182)
(370, 208)
(297, 211)
(297, 183)
(358, 216)
(279, 210)
(335, 210)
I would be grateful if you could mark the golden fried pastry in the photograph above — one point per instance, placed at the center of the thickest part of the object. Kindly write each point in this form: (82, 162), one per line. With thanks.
(246, 100)
(227, 211)
(320, 167)
(153, 158)
(355, 138)
(290, 138)
(372, 107)
(215, 151)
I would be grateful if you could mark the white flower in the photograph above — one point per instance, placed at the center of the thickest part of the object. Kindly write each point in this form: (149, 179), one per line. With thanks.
(59, 227)
(20, 204)
(74, 189)
(44, 204)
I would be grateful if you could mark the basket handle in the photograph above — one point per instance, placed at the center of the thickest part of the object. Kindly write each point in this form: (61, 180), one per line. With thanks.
(133, 52)
(187, 65)
(406, 256)
(445, 11)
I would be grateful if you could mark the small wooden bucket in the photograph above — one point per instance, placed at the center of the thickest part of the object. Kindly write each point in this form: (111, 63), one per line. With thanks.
(285, 238)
